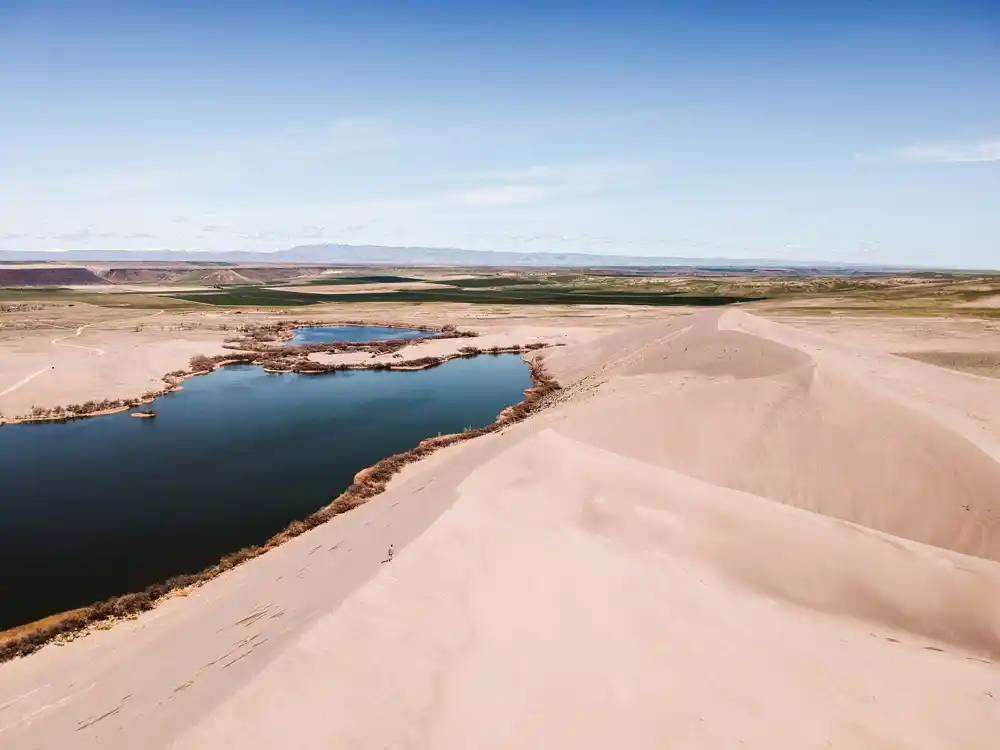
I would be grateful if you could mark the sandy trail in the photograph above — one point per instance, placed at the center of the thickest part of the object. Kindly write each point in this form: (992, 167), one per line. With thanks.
(728, 533)
(116, 362)
(59, 341)
(23, 381)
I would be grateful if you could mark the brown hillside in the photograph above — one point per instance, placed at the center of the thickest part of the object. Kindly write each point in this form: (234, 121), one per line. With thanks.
(141, 275)
(48, 276)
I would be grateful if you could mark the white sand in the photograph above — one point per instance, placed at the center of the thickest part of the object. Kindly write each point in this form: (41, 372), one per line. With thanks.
(730, 533)
(69, 369)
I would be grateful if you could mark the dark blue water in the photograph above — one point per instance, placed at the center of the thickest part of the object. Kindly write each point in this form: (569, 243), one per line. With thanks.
(330, 334)
(103, 506)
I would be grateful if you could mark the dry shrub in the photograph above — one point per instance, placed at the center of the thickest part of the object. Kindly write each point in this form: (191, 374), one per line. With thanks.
(201, 363)
(422, 362)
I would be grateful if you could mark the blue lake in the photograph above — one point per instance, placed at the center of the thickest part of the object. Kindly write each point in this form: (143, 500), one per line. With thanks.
(330, 334)
(103, 506)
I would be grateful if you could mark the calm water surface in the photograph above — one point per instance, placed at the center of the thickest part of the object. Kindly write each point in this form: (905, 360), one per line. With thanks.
(329, 334)
(103, 506)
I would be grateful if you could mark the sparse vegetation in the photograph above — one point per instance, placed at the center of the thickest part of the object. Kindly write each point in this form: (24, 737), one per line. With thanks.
(986, 364)
(86, 409)
(20, 308)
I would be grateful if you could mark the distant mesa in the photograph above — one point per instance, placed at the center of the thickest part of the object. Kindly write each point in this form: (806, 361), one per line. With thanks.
(48, 276)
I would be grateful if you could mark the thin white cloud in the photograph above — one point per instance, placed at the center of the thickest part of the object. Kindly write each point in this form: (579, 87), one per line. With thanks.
(503, 195)
(335, 138)
(232, 161)
(583, 174)
(83, 234)
(94, 187)
(266, 234)
(530, 184)
(308, 232)
(79, 235)
(951, 152)
(347, 135)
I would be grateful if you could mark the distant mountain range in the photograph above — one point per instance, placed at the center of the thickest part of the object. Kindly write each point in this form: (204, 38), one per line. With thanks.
(423, 256)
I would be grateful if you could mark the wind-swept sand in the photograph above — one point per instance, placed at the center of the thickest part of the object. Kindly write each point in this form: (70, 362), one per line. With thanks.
(729, 533)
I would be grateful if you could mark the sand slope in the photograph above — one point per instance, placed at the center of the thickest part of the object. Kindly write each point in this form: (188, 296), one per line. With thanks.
(730, 533)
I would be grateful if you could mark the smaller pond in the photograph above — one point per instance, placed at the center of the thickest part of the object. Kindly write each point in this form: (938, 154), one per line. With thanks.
(331, 334)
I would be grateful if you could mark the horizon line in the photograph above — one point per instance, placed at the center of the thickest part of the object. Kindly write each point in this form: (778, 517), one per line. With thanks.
(693, 261)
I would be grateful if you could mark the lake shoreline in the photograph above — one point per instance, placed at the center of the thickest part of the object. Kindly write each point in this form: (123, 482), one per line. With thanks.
(265, 357)
(369, 482)
(405, 366)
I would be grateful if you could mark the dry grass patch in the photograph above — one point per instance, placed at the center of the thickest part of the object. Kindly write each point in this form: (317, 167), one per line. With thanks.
(986, 364)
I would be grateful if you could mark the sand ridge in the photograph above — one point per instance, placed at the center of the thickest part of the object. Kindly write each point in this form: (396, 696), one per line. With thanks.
(729, 533)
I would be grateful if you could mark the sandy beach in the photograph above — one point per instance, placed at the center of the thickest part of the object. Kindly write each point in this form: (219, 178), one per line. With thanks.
(729, 532)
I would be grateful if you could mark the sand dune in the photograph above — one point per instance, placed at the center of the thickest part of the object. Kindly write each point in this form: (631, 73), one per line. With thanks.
(753, 414)
(728, 533)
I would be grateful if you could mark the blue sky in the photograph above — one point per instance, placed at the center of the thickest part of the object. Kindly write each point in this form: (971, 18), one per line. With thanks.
(849, 131)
